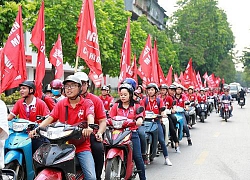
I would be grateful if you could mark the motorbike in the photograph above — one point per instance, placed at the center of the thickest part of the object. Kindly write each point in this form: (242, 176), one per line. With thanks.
(151, 131)
(8, 174)
(241, 103)
(118, 148)
(202, 109)
(226, 108)
(56, 160)
(179, 114)
(18, 146)
(210, 100)
(192, 113)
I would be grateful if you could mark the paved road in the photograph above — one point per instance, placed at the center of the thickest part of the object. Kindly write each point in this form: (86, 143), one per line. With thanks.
(220, 151)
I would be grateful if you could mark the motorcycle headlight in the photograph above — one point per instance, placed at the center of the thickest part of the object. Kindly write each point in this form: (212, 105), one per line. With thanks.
(19, 126)
(117, 124)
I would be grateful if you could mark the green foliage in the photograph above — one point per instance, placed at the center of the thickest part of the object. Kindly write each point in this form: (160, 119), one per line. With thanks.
(11, 99)
(201, 31)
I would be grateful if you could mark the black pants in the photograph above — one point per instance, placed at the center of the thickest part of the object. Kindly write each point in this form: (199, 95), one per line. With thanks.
(172, 123)
(98, 155)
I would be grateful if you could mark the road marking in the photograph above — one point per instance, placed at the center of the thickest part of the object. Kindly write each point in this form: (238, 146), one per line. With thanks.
(202, 157)
(216, 134)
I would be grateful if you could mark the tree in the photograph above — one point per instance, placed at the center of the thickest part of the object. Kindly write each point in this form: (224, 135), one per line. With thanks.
(201, 31)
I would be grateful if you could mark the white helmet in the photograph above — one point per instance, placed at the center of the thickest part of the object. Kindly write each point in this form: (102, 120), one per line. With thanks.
(82, 76)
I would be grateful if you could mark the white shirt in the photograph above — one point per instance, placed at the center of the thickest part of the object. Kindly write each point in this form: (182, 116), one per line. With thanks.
(5, 133)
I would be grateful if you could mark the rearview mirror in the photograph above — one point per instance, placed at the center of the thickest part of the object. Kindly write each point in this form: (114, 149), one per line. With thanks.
(162, 109)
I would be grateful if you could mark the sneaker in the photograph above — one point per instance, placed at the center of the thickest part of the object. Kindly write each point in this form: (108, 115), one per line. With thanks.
(231, 115)
(177, 149)
(146, 162)
(189, 142)
(167, 162)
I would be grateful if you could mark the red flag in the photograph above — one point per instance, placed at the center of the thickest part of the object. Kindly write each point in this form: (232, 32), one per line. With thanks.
(198, 77)
(223, 81)
(205, 76)
(56, 58)
(169, 76)
(188, 75)
(13, 63)
(38, 39)
(97, 80)
(88, 47)
(126, 55)
(133, 70)
(181, 77)
(78, 25)
(176, 79)
(145, 61)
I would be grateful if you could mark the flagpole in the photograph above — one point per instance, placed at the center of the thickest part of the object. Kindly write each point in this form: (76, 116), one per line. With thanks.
(80, 37)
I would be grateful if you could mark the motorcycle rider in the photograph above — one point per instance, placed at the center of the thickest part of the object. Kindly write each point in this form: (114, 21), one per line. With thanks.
(79, 110)
(47, 91)
(4, 133)
(226, 96)
(241, 95)
(152, 105)
(28, 107)
(163, 92)
(172, 119)
(181, 101)
(96, 140)
(141, 129)
(126, 106)
(57, 89)
(201, 98)
(106, 98)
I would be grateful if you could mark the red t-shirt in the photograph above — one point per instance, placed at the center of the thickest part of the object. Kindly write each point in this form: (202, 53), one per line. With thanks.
(49, 102)
(40, 108)
(191, 97)
(169, 101)
(130, 113)
(181, 100)
(106, 101)
(152, 105)
(98, 107)
(75, 115)
(210, 93)
(163, 99)
(202, 98)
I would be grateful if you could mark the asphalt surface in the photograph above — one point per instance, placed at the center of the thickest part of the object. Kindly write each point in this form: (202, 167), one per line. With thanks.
(220, 151)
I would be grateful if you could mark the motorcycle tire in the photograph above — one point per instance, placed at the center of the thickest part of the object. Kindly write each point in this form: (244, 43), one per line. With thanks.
(18, 169)
(202, 118)
(111, 169)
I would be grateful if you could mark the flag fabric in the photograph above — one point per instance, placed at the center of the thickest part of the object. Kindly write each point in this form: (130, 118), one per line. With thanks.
(88, 47)
(176, 79)
(145, 61)
(78, 25)
(169, 76)
(125, 55)
(56, 58)
(97, 80)
(188, 75)
(154, 60)
(38, 39)
(12, 56)
(133, 70)
(198, 77)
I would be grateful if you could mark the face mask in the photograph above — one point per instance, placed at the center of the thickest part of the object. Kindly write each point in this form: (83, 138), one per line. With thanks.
(56, 92)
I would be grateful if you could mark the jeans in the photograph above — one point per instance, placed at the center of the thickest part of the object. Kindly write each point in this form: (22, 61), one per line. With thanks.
(97, 149)
(185, 127)
(137, 156)
(142, 135)
(87, 164)
(1, 175)
(161, 138)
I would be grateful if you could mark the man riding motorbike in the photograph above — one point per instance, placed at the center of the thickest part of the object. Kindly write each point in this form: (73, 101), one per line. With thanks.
(242, 95)
(226, 96)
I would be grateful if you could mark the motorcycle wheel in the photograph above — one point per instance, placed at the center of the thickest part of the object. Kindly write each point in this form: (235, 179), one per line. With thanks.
(111, 170)
(18, 169)
(202, 118)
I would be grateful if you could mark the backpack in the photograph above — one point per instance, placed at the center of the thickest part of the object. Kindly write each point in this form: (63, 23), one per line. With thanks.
(158, 100)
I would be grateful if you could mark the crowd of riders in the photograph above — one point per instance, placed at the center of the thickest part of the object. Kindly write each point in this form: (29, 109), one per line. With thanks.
(72, 95)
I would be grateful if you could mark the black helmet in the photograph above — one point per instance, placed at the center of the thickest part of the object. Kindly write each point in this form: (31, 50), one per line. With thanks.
(47, 88)
(72, 78)
(29, 84)
(172, 86)
(163, 86)
(128, 87)
(152, 85)
(105, 88)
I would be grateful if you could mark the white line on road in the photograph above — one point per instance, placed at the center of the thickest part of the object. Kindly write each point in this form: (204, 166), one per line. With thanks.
(200, 160)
